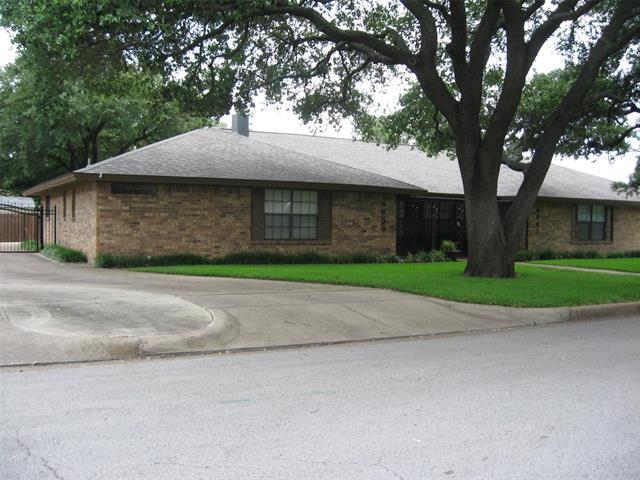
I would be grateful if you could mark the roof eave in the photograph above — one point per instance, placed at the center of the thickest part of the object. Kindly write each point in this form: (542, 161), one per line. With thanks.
(54, 183)
(257, 183)
(607, 201)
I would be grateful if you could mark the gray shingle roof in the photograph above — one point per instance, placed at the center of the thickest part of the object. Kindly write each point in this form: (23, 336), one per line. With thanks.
(219, 154)
(437, 174)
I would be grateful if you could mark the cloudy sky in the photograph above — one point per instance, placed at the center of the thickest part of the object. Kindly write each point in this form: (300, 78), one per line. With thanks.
(280, 119)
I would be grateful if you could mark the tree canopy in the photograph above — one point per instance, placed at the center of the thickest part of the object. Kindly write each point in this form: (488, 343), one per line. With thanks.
(56, 118)
(467, 68)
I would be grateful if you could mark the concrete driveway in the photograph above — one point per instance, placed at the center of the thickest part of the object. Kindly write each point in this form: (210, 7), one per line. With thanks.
(52, 312)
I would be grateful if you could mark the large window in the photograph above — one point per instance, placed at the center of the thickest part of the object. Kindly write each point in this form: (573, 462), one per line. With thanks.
(290, 214)
(592, 223)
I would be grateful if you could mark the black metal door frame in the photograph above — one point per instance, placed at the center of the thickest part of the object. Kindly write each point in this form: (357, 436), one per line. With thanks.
(423, 223)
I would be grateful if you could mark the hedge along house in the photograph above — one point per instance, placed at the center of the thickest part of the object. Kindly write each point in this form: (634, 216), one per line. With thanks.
(213, 192)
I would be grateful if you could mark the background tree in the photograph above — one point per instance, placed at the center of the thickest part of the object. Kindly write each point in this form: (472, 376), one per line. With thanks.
(55, 118)
(632, 186)
(466, 65)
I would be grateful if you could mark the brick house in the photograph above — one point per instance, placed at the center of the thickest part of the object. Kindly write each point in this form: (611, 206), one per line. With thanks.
(213, 192)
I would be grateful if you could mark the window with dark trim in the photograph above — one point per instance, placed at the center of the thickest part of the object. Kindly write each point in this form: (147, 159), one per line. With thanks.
(592, 223)
(47, 206)
(290, 214)
(73, 205)
(64, 205)
(133, 188)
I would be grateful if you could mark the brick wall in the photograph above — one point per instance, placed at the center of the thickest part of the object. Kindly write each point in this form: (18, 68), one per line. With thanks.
(214, 221)
(77, 232)
(550, 229)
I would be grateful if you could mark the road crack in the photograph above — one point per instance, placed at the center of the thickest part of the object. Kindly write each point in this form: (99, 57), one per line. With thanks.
(40, 458)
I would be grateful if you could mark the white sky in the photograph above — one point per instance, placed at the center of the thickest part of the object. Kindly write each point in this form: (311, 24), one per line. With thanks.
(280, 118)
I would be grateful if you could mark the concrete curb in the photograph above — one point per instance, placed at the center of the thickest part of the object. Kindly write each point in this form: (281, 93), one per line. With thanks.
(545, 315)
(214, 338)
(107, 348)
(608, 311)
(221, 330)
(527, 315)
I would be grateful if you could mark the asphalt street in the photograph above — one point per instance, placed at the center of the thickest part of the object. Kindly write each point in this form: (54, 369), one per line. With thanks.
(548, 402)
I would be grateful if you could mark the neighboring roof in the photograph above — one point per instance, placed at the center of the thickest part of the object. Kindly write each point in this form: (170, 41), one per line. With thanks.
(216, 154)
(437, 175)
(25, 202)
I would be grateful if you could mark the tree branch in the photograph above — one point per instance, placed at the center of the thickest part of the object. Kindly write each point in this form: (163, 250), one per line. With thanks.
(608, 44)
(425, 66)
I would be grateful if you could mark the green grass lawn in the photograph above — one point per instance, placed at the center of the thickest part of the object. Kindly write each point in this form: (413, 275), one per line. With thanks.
(533, 286)
(619, 264)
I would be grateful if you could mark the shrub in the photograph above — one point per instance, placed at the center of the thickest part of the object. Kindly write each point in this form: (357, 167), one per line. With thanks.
(432, 256)
(389, 258)
(437, 256)
(64, 254)
(448, 246)
(259, 258)
(31, 245)
(108, 260)
(358, 257)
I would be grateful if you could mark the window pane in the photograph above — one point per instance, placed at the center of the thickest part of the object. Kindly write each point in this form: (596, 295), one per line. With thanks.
(277, 201)
(304, 233)
(304, 227)
(304, 220)
(584, 213)
(597, 231)
(598, 213)
(582, 232)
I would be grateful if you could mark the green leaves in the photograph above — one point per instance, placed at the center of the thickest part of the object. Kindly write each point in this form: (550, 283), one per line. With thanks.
(57, 121)
(632, 186)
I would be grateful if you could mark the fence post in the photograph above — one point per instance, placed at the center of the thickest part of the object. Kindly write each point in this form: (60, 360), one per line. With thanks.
(41, 232)
(55, 225)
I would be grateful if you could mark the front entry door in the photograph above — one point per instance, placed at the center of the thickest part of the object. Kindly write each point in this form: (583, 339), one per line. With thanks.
(413, 233)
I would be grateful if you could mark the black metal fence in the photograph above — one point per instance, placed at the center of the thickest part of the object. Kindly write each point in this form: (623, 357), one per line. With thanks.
(26, 228)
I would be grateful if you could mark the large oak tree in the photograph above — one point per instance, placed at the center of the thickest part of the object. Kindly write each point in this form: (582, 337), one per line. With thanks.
(466, 66)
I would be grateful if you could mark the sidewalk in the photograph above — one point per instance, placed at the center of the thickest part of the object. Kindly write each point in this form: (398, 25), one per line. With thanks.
(52, 313)
(578, 269)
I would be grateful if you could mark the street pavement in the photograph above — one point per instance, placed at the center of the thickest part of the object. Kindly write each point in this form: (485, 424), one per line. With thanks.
(551, 402)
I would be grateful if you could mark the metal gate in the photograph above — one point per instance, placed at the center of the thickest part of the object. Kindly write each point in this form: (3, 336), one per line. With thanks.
(26, 229)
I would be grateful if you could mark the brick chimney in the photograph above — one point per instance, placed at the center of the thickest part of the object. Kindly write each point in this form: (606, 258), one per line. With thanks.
(240, 124)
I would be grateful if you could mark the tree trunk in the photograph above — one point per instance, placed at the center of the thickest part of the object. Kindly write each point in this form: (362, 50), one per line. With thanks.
(490, 252)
